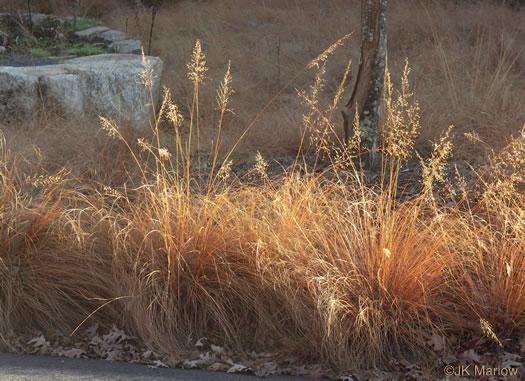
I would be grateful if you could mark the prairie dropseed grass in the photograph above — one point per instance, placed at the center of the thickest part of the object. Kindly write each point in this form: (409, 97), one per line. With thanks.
(329, 269)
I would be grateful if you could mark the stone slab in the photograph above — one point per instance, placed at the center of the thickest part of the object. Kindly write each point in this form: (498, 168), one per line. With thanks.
(37, 19)
(127, 46)
(90, 32)
(112, 36)
(108, 84)
(18, 92)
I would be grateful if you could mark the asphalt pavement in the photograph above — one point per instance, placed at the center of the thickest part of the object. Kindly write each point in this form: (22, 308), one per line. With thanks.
(14, 367)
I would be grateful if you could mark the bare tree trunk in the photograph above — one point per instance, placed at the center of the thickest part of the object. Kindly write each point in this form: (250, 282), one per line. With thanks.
(368, 87)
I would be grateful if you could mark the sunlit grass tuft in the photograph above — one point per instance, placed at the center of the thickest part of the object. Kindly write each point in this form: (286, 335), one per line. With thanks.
(329, 270)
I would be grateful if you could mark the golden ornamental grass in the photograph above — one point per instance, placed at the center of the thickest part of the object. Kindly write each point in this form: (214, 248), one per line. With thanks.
(330, 271)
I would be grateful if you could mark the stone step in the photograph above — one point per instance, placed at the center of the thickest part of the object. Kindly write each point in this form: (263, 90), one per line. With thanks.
(112, 36)
(127, 46)
(90, 32)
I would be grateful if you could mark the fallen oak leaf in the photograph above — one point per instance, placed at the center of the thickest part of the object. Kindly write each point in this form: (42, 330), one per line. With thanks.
(217, 349)
(200, 342)
(112, 355)
(39, 341)
(157, 364)
(73, 353)
(114, 336)
(315, 371)
(409, 366)
(238, 368)
(510, 360)
(57, 351)
(437, 342)
(190, 364)
(449, 359)
(97, 340)
(204, 359)
(266, 369)
(40, 344)
(470, 356)
(91, 331)
(218, 367)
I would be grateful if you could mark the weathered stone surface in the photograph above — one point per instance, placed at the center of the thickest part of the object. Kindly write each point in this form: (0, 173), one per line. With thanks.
(66, 90)
(90, 32)
(37, 19)
(107, 83)
(18, 92)
(118, 40)
(127, 46)
(8, 17)
(112, 36)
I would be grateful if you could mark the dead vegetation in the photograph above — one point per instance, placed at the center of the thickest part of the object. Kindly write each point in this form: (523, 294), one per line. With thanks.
(333, 272)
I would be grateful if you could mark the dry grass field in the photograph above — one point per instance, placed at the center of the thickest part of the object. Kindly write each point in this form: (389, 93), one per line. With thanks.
(101, 224)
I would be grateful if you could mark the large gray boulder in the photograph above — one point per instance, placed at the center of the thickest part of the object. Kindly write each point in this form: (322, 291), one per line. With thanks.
(106, 84)
(18, 92)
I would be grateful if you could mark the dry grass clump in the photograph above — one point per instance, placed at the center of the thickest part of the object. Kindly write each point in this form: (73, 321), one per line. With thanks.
(490, 238)
(48, 275)
(327, 270)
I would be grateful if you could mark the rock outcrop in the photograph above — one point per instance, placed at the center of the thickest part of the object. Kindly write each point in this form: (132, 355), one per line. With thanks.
(117, 40)
(106, 85)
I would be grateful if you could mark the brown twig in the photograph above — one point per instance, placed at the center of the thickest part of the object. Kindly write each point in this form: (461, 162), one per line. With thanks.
(153, 14)
(30, 17)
